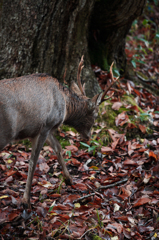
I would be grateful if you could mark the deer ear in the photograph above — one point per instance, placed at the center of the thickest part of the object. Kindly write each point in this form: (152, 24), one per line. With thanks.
(97, 99)
(75, 89)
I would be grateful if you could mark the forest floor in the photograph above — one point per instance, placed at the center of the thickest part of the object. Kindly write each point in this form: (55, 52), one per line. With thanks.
(115, 191)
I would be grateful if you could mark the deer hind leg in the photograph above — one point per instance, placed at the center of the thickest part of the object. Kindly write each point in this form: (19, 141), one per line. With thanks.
(37, 144)
(5, 138)
(58, 150)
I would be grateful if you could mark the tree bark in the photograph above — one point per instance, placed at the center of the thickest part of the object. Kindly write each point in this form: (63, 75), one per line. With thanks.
(51, 36)
(108, 29)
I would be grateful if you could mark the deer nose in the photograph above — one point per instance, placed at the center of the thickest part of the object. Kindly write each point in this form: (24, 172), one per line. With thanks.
(87, 136)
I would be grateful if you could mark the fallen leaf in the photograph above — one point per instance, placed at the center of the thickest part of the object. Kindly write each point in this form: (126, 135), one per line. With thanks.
(129, 87)
(71, 133)
(118, 226)
(117, 105)
(106, 149)
(4, 196)
(153, 155)
(77, 205)
(121, 119)
(9, 161)
(142, 201)
(130, 162)
(44, 167)
(72, 148)
(9, 179)
(156, 123)
(142, 128)
(116, 207)
(10, 172)
(130, 150)
(47, 184)
(11, 216)
(80, 186)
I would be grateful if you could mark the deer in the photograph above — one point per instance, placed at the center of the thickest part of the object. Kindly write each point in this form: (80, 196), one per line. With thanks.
(34, 106)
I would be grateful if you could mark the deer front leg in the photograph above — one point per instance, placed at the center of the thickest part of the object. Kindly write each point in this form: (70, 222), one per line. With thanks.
(58, 150)
(37, 144)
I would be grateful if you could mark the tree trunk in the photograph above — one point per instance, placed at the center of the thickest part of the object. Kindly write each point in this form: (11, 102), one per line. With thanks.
(51, 36)
(108, 29)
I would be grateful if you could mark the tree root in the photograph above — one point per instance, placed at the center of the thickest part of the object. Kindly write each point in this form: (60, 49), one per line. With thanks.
(136, 78)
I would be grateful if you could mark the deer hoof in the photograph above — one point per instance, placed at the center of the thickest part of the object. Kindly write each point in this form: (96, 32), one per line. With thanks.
(26, 203)
(68, 181)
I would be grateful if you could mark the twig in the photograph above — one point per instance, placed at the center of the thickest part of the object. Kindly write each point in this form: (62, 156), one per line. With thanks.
(94, 191)
(114, 184)
(85, 196)
(86, 232)
(102, 187)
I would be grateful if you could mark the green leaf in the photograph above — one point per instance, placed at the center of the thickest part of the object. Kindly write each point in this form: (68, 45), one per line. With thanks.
(144, 116)
(144, 51)
(68, 152)
(91, 148)
(84, 144)
(140, 61)
(116, 73)
(51, 207)
(150, 49)
(143, 40)
(134, 22)
(95, 142)
(157, 36)
(145, 21)
(10, 156)
(133, 63)
(66, 159)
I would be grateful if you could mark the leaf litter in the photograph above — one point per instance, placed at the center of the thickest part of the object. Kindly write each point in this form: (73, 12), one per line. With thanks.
(115, 193)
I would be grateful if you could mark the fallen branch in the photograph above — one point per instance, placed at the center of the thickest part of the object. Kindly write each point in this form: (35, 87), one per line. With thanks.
(114, 184)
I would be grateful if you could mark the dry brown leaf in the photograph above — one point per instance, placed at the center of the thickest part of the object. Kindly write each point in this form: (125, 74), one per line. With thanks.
(117, 105)
(142, 201)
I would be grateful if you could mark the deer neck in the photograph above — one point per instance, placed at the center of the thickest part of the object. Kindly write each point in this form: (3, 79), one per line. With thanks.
(76, 109)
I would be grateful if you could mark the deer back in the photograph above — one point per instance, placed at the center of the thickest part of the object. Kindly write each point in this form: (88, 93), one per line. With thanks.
(28, 103)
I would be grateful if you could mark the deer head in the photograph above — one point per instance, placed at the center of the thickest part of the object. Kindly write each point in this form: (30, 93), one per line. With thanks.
(91, 106)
